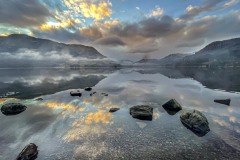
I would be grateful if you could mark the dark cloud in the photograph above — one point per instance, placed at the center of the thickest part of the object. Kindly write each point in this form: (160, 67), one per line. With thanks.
(149, 27)
(195, 11)
(23, 13)
(110, 41)
(153, 27)
(92, 32)
(213, 28)
(147, 46)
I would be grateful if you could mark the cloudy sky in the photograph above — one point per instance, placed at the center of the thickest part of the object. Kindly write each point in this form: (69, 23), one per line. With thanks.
(125, 29)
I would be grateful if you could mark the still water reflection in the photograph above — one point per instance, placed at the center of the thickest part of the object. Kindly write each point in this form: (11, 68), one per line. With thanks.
(66, 127)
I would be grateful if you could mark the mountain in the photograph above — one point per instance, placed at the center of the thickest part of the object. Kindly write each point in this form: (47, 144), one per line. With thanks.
(18, 50)
(166, 61)
(219, 53)
(14, 42)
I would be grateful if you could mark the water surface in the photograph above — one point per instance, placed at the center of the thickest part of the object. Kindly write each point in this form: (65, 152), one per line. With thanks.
(66, 127)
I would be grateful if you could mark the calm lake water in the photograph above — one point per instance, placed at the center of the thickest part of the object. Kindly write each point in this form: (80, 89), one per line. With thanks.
(69, 128)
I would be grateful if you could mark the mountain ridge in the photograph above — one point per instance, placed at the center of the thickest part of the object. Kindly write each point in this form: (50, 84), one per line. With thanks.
(218, 53)
(14, 42)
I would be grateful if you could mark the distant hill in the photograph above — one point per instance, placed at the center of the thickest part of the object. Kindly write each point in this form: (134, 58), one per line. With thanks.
(219, 53)
(166, 61)
(18, 50)
(14, 42)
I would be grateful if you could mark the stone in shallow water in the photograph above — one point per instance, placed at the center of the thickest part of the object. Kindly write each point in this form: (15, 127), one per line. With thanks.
(30, 152)
(13, 108)
(76, 93)
(223, 101)
(142, 112)
(113, 109)
(172, 107)
(39, 99)
(91, 94)
(104, 94)
(88, 89)
(196, 122)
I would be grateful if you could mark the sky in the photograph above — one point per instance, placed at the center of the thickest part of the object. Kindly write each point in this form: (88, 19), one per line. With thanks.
(125, 29)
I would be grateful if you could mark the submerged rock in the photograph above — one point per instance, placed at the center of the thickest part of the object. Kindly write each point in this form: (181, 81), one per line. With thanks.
(113, 109)
(196, 122)
(223, 101)
(88, 89)
(13, 108)
(76, 93)
(172, 107)
(39, 99)
(105, 94)
(30, 152)
(91, 94)
(142, 112)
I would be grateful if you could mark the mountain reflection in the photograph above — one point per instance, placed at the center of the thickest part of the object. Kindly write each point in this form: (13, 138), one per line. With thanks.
(37, 82)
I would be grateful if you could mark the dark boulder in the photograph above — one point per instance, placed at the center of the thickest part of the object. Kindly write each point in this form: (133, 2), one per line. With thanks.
(76, 93)
(88, 89)
(196, 122)
(30, 152)
(172, 107)
(142, 112)
(113, 109)
(13, 108)
(223, 101)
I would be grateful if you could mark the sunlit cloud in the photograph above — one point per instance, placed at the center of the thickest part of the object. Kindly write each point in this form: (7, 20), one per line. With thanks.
(98, 10)
(64, 106)
(5, 100)
(189, 8)
(99, 117)
(158, 11)
(76, 133)
(58, 25)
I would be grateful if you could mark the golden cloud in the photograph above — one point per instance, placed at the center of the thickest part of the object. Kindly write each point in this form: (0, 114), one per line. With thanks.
(75, 134)
(4, 100)
(57, 25)
(97, 10)
(158, 11)
(85, 126)
(3, 35)
(189, 8)
(99, 117)
(57, 105)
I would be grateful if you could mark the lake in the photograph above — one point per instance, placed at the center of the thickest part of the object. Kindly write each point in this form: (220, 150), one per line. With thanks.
(68, 128)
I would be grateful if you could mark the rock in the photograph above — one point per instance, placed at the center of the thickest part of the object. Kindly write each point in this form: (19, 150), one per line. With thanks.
(223, 101)
(172, 107)
(88, 89)
(105, 94)
(142, 112)
(13, 108)
(196, 122)
(38, 99)
(30, 152)
(91, 94)
(76, 93)
(113, 109)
